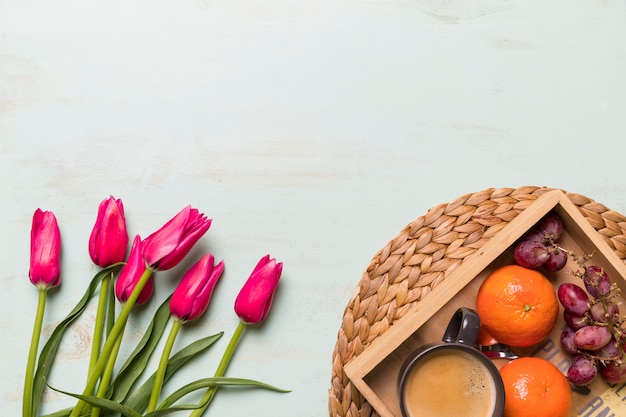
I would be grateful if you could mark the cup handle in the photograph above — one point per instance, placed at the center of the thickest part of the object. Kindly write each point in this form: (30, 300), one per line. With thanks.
(463, 327)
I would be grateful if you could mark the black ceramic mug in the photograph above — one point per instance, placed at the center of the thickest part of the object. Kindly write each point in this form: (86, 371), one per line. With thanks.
(452, 378)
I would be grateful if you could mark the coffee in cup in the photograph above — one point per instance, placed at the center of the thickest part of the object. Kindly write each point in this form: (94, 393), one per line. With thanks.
(452, 378)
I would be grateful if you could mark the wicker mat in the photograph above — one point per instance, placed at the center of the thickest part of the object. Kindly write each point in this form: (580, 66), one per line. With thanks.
(426, 250)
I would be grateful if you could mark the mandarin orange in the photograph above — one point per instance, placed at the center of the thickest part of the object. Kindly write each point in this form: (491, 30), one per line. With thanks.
(535, 387)
(484, 338)
(518, 306)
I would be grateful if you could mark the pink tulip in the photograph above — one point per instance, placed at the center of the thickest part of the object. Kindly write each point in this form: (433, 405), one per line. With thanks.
(109, 239)
(255, 298)
(192, 295)
(166, 247)
(45, 250)
(131, 273)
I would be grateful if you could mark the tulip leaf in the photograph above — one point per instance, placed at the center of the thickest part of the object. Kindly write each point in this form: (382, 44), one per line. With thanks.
(140, 398)
(214, 382)
(137, 361)
(159, 413)
(67, 411)
(167, 408)
(61, 413)
(48, 352)
(103, 403)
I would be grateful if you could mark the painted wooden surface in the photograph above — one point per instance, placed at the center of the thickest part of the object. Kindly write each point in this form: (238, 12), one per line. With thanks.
(310, 130)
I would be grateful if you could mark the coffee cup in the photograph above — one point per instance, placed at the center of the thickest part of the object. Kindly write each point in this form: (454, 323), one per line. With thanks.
(452, 378)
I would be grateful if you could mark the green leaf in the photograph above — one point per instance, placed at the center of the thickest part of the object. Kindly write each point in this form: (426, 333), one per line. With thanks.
(61, 413)
(137, 361)
(67, 411)
(191, 350)
(165, 411)
(48, 352)
(140, 398)
(214, 382)
(103, 403)
(167, 408)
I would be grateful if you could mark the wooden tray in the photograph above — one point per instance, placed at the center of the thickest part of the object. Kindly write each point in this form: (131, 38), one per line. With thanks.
(373, 372)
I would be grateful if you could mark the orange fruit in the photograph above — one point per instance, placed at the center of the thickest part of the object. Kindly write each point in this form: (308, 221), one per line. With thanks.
(518, 306)
(484, 338)
(534, 387)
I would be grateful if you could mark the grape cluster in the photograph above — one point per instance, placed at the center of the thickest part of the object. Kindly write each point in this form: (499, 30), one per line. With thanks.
(538, 247)
(593, 333)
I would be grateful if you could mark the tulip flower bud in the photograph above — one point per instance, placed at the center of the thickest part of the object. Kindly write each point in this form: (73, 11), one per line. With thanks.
(45, 250)
(192, 295)
(166, 247)
(255, 298)
(131, 273)
(109, 239)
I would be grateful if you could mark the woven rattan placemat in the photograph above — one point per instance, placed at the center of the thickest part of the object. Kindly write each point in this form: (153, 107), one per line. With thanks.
(405, 270)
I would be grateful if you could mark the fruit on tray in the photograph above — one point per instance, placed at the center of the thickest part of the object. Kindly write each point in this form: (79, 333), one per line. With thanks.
(594, 332)
(539, 247)
(518, 306)
(534, 386)
(594, 329)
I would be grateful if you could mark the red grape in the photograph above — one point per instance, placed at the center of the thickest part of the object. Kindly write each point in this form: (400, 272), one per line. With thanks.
(567, 340)
(534, 235)
(596, 281)
(574, 321)
(582, 371)
(614, 373)
(552, 226)
(530, 254)
(592, 337)
(556, 261)
(610, 351)
(573, 298)
(599, 313)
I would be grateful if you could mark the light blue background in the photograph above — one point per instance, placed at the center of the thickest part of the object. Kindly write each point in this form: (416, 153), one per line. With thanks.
(311, 130)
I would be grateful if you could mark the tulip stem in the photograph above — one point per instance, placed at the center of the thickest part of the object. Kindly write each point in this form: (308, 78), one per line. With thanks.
(221, 368)
(108, 372)
(110, 316)
(27, 403)
(109, 345)
(99, 325)
(160, 374)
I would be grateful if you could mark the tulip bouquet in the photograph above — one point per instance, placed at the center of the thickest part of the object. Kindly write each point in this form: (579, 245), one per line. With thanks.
(111, 390)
